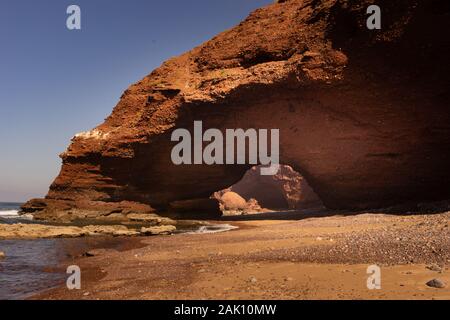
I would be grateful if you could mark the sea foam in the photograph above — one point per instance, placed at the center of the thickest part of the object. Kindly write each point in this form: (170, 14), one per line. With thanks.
(9, 213)
(214, 228)
(14, 216)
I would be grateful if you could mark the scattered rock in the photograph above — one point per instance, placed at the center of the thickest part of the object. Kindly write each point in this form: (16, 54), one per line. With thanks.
(2, 255)
(436, 283)
(253, 280)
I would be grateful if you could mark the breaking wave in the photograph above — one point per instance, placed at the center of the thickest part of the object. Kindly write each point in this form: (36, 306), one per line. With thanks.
(9, 213)
(213, 228)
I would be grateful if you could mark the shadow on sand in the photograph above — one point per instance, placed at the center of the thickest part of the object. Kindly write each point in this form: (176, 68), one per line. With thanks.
(402, 210)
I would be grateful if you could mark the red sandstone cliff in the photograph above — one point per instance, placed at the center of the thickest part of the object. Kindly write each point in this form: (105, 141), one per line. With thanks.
(363, 115)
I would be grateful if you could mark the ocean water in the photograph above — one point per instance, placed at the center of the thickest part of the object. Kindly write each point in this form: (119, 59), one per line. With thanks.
(32, 266)
(9, 209)
(9, 213)
(28, 267)
(25, 269)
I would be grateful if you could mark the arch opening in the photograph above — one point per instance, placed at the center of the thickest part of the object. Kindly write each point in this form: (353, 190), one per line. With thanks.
(256, 193)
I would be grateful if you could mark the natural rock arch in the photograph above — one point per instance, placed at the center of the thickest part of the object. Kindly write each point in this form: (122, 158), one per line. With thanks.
(364, 115)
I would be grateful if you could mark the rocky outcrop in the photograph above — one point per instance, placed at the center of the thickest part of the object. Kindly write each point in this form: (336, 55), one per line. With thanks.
(161, 230)
(363, 114)
(36, 231)
(70, 211)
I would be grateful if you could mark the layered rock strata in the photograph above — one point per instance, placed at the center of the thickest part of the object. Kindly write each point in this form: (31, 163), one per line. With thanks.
(364, 115)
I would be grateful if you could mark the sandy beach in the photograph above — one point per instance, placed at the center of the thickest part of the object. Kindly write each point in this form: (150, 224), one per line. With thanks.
(297, 255)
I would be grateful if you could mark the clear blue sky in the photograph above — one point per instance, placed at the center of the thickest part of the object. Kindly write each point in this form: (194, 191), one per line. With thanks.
(55, 83)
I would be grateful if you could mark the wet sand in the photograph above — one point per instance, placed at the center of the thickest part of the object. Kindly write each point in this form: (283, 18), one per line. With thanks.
(303, 255)
(30, 266)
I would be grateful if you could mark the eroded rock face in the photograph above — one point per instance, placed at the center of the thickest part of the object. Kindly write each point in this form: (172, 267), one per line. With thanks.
(363, 115)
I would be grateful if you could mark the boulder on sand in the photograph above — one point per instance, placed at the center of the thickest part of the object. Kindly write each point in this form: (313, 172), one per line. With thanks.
(232, 201)
(436, 283)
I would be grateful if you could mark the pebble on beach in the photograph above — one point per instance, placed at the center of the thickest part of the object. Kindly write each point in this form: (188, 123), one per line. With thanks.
(436, 283)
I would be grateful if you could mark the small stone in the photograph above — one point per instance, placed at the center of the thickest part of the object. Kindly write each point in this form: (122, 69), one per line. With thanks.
(2, 255)
(253, 280)
(436, 283)
(89, 254)
(434, 267)
(289, 279)
(86, 294)
(201, 271)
